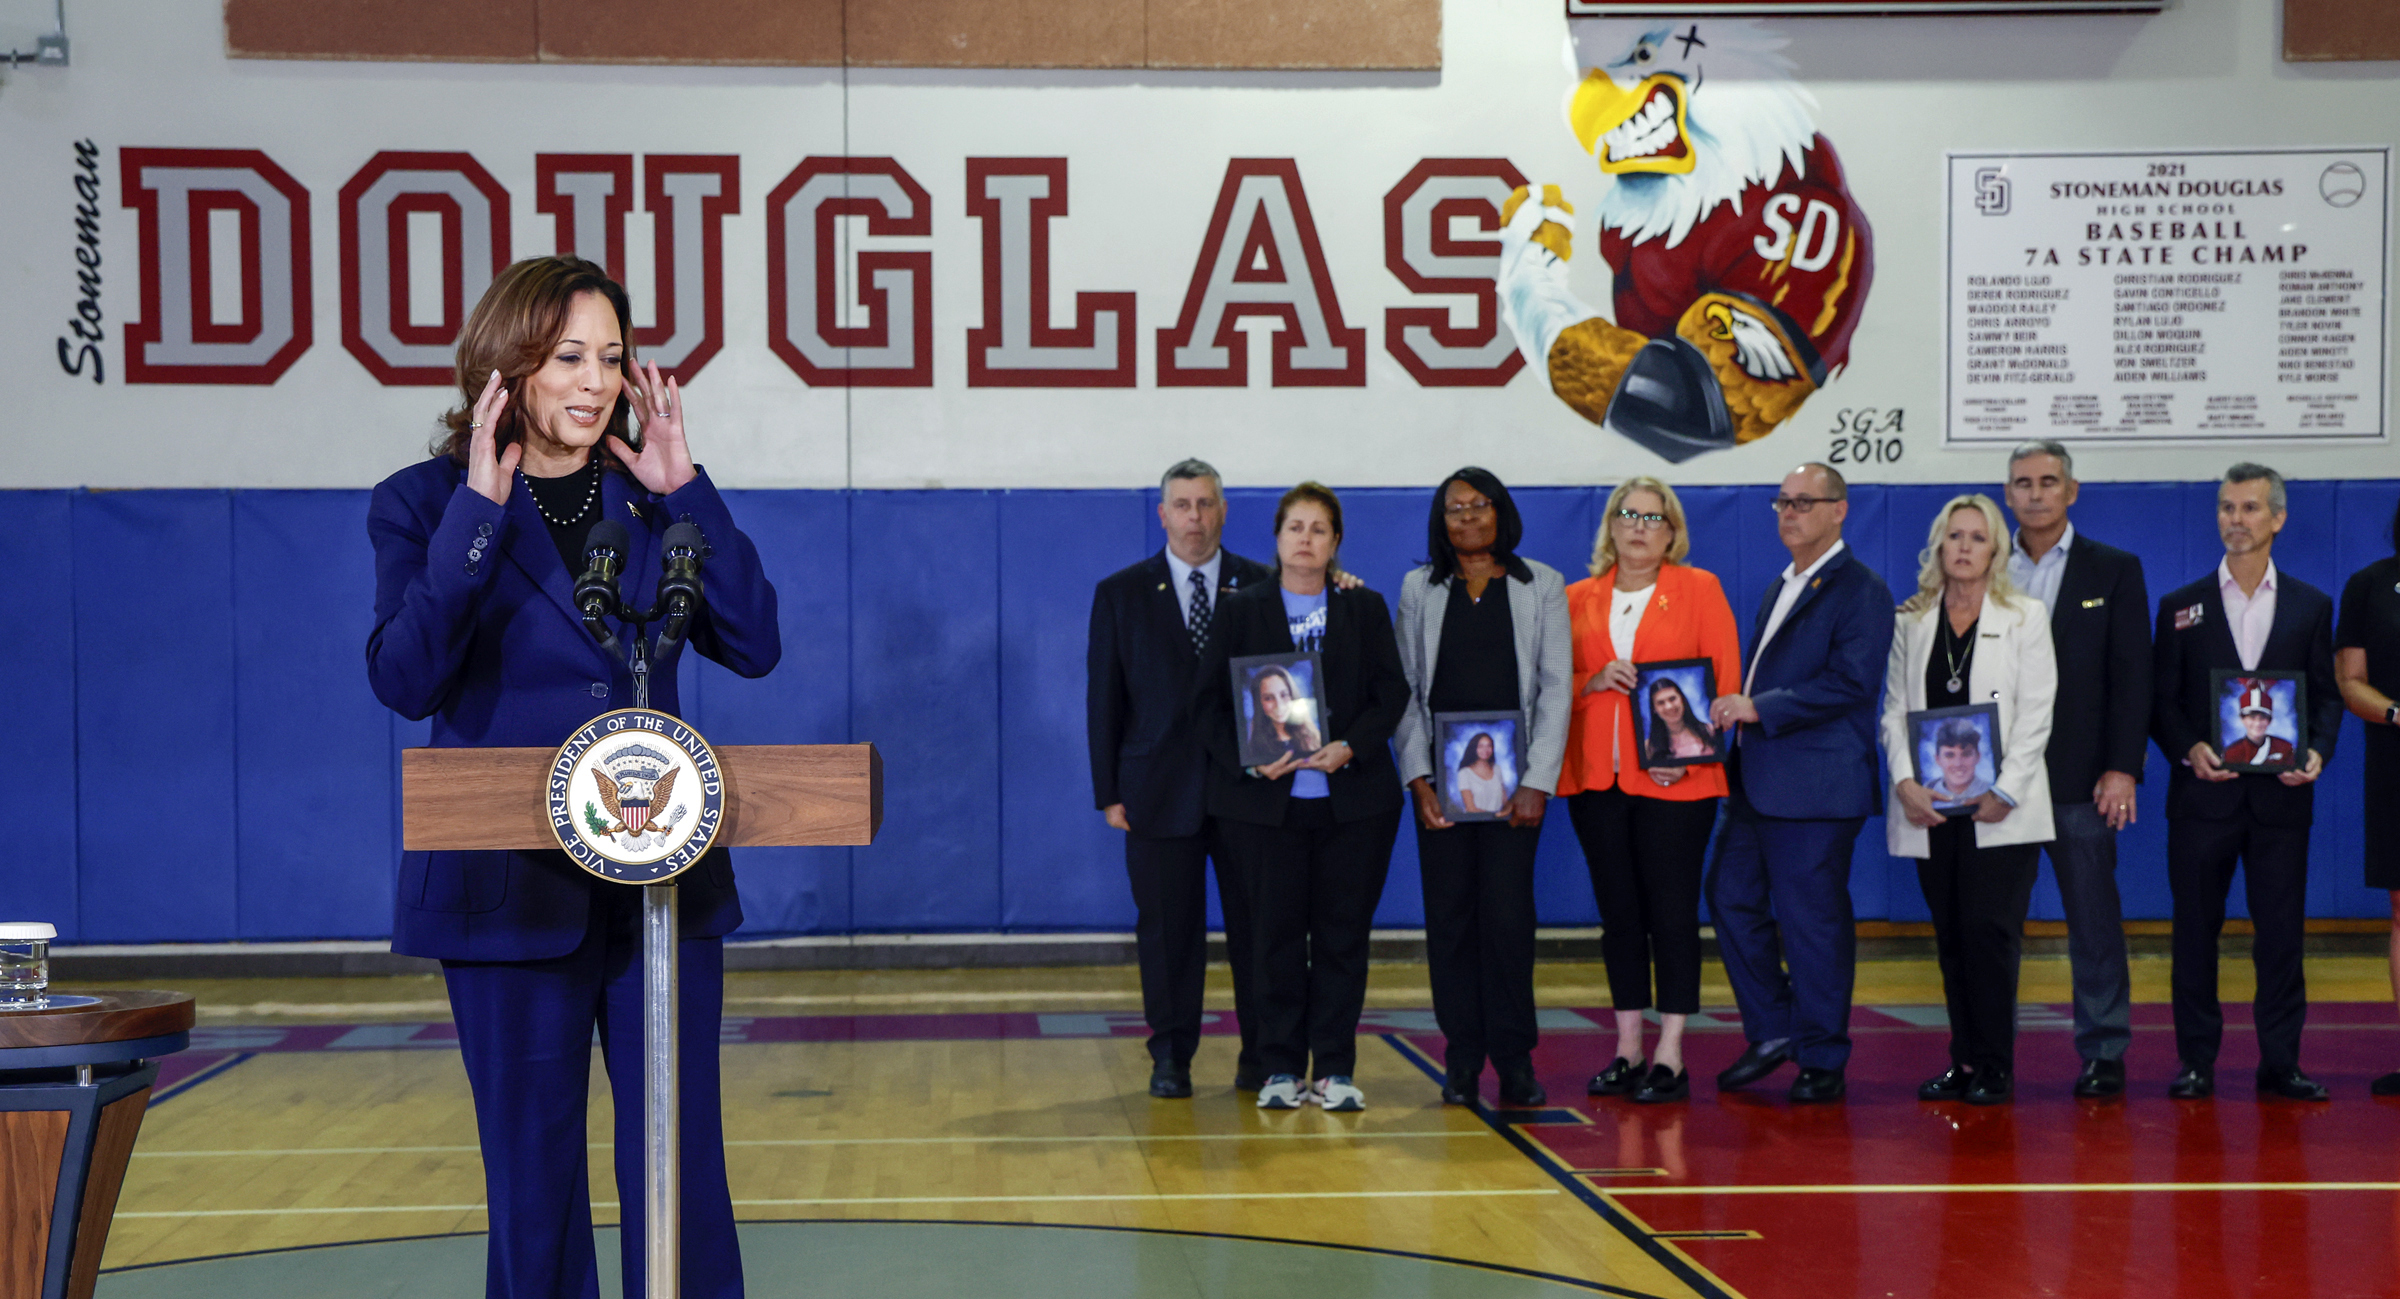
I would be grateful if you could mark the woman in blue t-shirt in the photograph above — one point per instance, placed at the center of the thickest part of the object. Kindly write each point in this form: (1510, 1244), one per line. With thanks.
(1311, 833)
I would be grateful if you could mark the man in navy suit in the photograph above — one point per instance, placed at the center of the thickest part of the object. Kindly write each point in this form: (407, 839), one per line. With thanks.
(2249, 617)
(1150, 624)
(1803, 780)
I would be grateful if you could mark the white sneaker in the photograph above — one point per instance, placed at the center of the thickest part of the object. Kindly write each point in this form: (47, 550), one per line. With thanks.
(1338, 1093)
(1282, 1092)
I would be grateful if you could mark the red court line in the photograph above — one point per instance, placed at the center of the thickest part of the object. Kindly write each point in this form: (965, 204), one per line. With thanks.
(1915, 1237)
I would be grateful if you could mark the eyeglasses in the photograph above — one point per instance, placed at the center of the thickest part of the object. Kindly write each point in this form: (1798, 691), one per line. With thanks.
(1457, 509)
(1799, 504)
(1636, 519)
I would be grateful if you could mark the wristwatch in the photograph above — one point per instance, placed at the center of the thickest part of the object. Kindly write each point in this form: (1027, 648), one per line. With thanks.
(2391, 715)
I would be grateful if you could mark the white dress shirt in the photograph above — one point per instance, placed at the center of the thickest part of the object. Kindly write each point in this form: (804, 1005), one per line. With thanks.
(1183, 580)
(2248, 617)
(2040, 578)
(1794, 582)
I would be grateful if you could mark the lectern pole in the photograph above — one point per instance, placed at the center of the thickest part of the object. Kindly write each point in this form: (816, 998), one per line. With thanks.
(662, 1138)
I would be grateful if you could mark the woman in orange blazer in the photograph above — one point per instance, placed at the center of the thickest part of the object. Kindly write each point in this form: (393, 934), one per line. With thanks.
(1644, 830)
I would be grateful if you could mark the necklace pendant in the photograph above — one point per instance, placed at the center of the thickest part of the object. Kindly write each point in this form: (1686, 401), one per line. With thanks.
(1955, 685)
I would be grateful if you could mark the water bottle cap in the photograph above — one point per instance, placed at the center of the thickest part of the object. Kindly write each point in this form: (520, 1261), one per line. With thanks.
(31, 929)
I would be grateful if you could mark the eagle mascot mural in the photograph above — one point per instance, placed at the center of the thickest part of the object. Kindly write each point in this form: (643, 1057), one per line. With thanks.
(1740, 260)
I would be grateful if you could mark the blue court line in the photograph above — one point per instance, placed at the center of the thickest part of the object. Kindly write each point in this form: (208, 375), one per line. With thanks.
(216, 1070)
(1671, 1259)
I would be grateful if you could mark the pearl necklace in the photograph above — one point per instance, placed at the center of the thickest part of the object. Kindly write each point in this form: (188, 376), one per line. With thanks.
(580, 512)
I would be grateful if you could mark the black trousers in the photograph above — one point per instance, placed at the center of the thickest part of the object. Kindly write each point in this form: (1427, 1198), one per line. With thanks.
(1646, 857)
(1170, 934)
(1978, 898)
(2201, 856)
(1314, 884)
(1478, 878)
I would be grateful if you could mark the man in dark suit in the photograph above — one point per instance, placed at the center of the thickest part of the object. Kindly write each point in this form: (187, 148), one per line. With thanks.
(2246, 617)
(2096, 597)
(1803, 780)
(1150, 624)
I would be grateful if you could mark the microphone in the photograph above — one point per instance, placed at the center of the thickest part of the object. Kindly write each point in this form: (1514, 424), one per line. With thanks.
(603, 558)
(679, 586)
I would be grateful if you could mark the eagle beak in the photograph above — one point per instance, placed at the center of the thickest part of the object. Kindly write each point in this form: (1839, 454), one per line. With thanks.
(1627, 127)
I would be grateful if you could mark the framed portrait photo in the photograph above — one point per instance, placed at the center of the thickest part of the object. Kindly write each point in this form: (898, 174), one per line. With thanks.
(1670, 713)
(2259, 720)
(1957, 754)
(1478, 758)
(1279, 706)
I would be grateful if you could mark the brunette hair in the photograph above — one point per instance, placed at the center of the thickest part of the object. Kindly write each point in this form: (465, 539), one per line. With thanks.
(1315, 493)
(512, 330)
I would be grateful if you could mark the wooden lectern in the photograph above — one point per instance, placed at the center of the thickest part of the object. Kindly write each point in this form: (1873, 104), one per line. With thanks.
(816, 795)
(795, 794)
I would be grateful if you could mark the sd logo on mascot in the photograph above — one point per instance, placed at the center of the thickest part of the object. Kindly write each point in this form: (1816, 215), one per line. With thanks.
(1741, 262)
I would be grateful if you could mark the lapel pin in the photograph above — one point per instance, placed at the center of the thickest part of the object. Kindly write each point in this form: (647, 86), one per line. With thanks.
(1162, 586)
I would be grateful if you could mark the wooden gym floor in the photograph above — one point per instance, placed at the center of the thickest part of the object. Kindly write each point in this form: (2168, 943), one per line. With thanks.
(988, 1132)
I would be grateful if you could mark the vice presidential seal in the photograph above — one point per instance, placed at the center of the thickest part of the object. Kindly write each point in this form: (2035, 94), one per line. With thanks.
(635, 796)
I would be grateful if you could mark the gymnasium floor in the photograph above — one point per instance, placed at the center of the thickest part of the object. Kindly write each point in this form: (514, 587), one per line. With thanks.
(907, 1134)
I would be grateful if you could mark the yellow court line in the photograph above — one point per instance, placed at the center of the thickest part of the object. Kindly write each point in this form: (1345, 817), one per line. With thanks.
(880, 1199)
(1971, 1188)
(850, 1141)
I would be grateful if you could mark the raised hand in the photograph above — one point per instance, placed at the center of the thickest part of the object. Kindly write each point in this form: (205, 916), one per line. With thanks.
(491, 475)
(664, 464)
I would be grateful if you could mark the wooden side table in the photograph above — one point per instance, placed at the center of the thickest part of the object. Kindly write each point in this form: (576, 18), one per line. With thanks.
(75, 1077)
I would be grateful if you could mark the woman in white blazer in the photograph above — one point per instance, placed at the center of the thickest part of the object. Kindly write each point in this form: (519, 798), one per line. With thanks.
(1968, 637)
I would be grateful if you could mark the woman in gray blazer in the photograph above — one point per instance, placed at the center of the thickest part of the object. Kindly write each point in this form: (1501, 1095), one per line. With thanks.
(1482, 630)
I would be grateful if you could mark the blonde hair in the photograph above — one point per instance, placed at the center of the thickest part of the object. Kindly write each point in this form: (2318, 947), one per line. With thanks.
(1929, 560)
(1604, 546)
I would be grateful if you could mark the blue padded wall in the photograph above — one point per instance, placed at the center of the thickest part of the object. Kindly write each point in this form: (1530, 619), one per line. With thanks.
(223, 772)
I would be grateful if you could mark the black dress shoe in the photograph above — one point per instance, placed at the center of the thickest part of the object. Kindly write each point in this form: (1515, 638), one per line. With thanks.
(1756, 1063)
(1621, 1076)
(1249, 1079)
(1518, 1086)
(2100, 1078)
(1453, 1094)
(1950, 1085)
(1818, 1086)
(2289, 1083)
(2387, 1085)
(2195, 1083)
(1170, 1081)
(1662, 1086)
(1991, 1087)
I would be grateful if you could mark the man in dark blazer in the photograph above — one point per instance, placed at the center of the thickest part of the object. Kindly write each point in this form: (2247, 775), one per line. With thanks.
(1150, 624)
(1803, 780)
(2097, 600)
(2243, 617)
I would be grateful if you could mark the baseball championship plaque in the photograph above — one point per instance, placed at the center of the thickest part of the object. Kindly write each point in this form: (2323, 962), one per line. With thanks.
(635, 796)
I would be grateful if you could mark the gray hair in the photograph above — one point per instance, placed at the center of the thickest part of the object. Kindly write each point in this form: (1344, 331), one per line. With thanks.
(1192, 468)
(2248, 472)
(1839, 487)
(2044, 447)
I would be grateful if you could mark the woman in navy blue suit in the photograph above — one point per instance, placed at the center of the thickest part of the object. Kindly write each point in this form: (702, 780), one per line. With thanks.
(475, 627)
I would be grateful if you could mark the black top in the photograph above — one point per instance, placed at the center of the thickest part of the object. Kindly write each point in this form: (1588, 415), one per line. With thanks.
(1948, 647)
(1138, 700)
(574, 497)
(2190, 641)
(2100, 627)
(2370, 621)
(1475, 669)
(1366, 690)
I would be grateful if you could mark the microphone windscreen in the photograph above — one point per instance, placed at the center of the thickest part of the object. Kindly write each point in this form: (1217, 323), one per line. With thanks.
(685, 537)
(607, 534)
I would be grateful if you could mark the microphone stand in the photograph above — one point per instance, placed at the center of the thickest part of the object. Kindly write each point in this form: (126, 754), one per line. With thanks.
(679, 597)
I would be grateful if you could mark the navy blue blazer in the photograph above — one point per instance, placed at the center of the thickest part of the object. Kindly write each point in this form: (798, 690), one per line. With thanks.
(475, 627)
(1818, 687)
